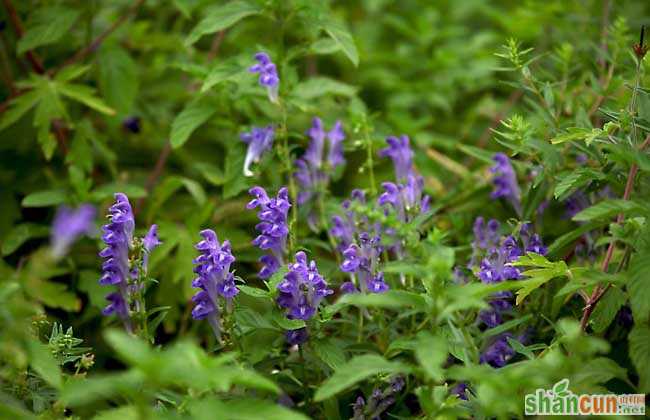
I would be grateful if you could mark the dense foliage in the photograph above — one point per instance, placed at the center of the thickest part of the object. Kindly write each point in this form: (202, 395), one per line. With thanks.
(329, 209)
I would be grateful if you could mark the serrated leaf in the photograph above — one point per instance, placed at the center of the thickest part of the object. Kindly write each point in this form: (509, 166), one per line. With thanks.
(537, 277)
(607, 309)
(330, 353)
(608, 209)
(195, 113)
(639, 339)
(44, 198)
(118, 78)
(569, 183)
(85, 95)
(46, 26)
(21, 234)
(221, 17)
(356, 370)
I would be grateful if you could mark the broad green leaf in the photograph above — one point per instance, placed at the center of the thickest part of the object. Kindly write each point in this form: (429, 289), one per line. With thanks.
(639, 339)
(356, 370)
(569, 183)
(195, 189)
(222, 72)
(393, 299)
(85, 95)
(213, 174)
(317, 87)
(329, 352)
(431, 353)
(195, 113)
(241, 409)
(46, 26)
(325, 46)
(599, 371)
(42, 361)
(608, 209)
(130, 349)
(108, 191)
(639, 282)
(80, 391)
(342, 37)
(127, 412)
(44, 198)
(21, 234)
(118, 78)
(221, 17)
(607, 308)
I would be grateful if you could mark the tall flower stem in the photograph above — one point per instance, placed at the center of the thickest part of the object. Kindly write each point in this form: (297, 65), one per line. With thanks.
(288, 166)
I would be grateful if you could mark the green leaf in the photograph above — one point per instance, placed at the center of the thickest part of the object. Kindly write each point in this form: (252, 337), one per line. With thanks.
(221, 17)
(639, 339)
(242, 409)
(599, 371)
(568, 238)
(21, 234)
(19, 107)
(46, 26)
(108, 191)
(195, 189)
(81, 391)
(329, 352)
(342, 37)
(356, 370)
(85, 95)
(325, 46)
(394, 299)
(44, 198)
(639, 282)
(229, 71)
(195, 113)
(431, 353)
(607, 309)
(317, 87)
(118, 78)
(44, 363)
(608, 209)
(536, 277)
(130, 349)
(571, 182)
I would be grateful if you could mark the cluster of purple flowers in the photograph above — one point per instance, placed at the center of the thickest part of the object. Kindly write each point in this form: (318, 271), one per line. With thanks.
(494, 255)
(69, 225)
(302, 289)
(268, 75)
(505, 181)
(379, 400)
(360, 244)
(214, 279)
(259, 140)
(406, 197)
(273, 228)
(117, 268)
(313, 169)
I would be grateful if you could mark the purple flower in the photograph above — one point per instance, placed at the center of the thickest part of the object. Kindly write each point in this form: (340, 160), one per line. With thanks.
(214, 278)
(297, 337)
(312, 174)
(118, 237)
(302, 289)
(400, 152)
(69, 225)
(498, 352)
(406, 200)
(532, 241)
(505, 181)
(273, 228)
(461, 390)
(362, 262)
(344, 228)
(575, 203)
(259, 140)
(379, 400)
(149, 242)
(268, 75)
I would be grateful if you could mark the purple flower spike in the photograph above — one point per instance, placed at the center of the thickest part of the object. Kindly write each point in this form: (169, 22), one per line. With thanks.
(259, 140)
(401, 154)
(69, 225)
(214, 279)
(407, 200)
(362, 261)
(297, 337)
(118, 237)
(302, 289)
(498, 353)
(336, 137)
(505, 181)
(273, 228)
(268, 75)
(149, 242)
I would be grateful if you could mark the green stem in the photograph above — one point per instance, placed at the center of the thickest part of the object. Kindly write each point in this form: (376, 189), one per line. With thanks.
(288, 166)
(369, 157)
